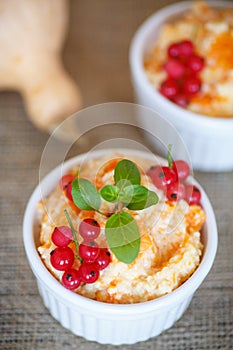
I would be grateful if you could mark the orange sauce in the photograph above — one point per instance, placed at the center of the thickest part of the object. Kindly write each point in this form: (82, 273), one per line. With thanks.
(205, 99)
(221, 51)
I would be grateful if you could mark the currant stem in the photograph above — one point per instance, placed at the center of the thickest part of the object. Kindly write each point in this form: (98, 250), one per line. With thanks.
(74, 232)
(169, 156)
(119, 206)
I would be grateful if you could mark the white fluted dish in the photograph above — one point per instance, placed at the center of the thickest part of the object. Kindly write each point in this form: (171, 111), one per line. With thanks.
(208, 139)
(102, 322)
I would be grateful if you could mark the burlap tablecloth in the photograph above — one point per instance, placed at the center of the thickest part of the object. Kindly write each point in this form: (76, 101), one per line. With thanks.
(96, 54)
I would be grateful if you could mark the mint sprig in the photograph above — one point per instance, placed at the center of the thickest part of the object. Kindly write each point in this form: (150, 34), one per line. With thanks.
(121, 231)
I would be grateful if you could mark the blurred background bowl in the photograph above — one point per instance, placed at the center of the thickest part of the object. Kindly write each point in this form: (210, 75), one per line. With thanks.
(209, 140)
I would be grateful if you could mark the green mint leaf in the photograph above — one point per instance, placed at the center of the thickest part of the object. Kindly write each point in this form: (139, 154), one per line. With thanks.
(141, 197)
(127, 170)
(109, 193)
(123, 236)
(85, 194)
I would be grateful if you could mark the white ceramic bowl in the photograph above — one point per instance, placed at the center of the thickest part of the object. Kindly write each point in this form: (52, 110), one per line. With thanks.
(209, 140)
(111, 323)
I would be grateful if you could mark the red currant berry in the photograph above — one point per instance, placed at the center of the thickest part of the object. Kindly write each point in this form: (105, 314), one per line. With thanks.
(173, 50)
(176, 192)
(186, 48)
(169, 88)
(163, 176)
(181, 100)
(88, 272)
(66, 180)
(181, 168)
(68, 191)
(174, 68)
(89, 229)
(103, 259)
(89, 251)
(193, 194)
(71, 279)
(62, 258)
(150, 171)
(191, 85)
(195, 63)
(62, 236)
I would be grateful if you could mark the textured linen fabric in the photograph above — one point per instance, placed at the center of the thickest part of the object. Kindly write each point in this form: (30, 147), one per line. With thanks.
(96, 54)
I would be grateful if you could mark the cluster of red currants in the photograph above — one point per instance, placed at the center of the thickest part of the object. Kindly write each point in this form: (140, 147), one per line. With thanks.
(172, 181)
(92, 257)
(182, 67)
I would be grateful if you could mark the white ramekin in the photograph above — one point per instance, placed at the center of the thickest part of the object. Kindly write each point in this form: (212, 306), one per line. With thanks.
(111, 323)
(209, 140)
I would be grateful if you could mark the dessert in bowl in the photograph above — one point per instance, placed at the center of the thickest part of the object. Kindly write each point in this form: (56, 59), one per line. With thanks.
(134, 259)
(181, 67)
